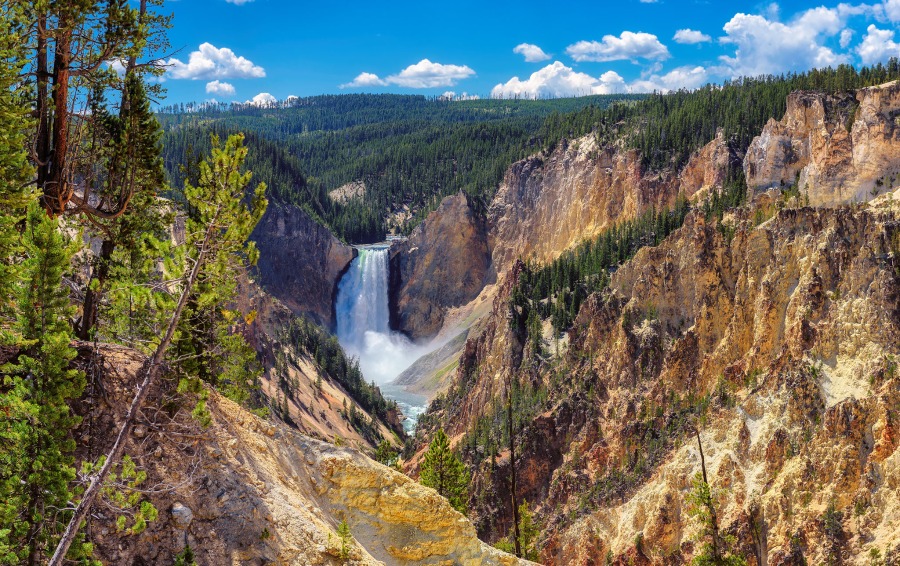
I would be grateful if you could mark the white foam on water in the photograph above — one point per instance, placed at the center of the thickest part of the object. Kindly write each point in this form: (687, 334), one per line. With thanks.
(363, 319)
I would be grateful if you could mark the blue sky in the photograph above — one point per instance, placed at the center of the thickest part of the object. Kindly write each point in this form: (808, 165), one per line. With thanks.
(238, 50)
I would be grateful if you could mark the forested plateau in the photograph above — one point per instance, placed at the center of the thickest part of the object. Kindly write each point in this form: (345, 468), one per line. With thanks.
(668, 322)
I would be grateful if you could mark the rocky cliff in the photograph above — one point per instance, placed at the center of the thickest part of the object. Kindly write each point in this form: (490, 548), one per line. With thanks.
(548, 203)
(778, 343)
(784, 341)
(835, 149)
(445, 263)
(299, 391)
(545, 205)
(841, 147)
(300, 261)
(246, 491)
(832, 149)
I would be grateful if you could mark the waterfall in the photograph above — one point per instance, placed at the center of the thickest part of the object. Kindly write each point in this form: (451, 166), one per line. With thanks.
(362, 300)
(363, 319)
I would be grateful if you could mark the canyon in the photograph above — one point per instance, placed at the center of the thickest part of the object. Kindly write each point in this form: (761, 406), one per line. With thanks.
(769, 336)
(763, 333)
(248, 491)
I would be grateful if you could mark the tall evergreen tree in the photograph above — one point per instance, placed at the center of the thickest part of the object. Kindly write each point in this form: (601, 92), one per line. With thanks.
(38, 468)
(74, 45)
(15, 171)
(215, 246)
(128, 210)
(716, 548)
(443, 470)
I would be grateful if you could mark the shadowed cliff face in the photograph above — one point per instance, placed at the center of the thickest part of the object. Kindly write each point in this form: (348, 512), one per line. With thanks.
(300, 262)
(295, 382)
(836, 149)
(445, 263)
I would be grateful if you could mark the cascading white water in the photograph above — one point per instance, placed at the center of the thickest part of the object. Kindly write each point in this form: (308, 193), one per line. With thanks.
(362, 300)
(363, 319)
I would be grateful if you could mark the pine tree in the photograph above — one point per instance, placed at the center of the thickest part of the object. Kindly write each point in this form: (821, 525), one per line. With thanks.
(39, 468)
(442, 470)
(15, 171)
(346, 539)
(73, 46)
(215, 246)
(528, 535)
(185, 557)
(386, 454)
(716, 548)
(128, 211)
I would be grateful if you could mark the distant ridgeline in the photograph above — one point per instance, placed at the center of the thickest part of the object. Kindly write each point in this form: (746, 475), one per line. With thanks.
(408, 150)
(412, 151)
(666, 129)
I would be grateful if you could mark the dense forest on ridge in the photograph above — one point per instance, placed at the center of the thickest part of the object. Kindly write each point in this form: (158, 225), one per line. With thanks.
(408, 150)
(411, 151)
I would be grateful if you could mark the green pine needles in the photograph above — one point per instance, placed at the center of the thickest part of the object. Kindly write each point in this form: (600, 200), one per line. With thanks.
(443, 470)
(215, 246)
(36, 458)
(528, 536)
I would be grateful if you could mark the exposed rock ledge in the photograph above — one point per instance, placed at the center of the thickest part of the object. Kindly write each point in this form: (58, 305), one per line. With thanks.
(838, 148)
(445, 263)
(248, 491)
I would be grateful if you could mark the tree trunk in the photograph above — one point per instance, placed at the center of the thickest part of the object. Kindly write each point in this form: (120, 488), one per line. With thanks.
(512, 474)
(713, 519)
(151, 371)
(35, 508)
(95, 289)
(57, 191)
(42, 108)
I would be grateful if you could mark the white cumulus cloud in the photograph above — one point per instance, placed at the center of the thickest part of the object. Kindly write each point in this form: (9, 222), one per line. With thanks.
(691, 36)
(628, 46)
(426, 74)
(531, 52)
(686, 77)
(558, 80)
(878, 46)
(364, 79)
(423, 74)
(238, 2)
(210, 62)
(220, 88)
(846, 37)
(262, 99)
(764, 46)
(892, 10)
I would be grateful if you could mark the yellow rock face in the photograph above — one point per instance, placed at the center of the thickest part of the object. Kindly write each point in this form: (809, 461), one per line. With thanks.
(797, 318)
(262, 493)
(547, 204)
(836, 149)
